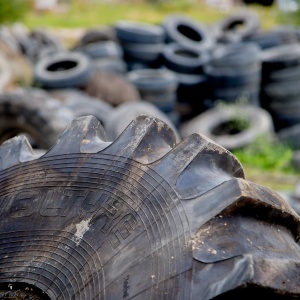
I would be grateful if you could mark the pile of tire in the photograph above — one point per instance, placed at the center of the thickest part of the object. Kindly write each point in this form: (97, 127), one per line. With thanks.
(234, 72)
(157, 86)
(280, 92)
(35, 44)
(186, 53)
(102, 47)
(142, 43)
(180, 67)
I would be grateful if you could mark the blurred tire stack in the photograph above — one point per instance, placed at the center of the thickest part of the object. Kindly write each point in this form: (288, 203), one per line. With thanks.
(180, 67)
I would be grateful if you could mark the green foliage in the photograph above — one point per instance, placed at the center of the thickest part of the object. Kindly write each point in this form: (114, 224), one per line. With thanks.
(13, 10)
(90, 13)
(267, 154)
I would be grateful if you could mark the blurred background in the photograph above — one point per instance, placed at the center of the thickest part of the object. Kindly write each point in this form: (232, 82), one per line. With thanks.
(229, 69)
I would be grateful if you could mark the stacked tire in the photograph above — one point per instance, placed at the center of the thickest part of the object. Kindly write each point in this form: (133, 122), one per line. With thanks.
(234, 72)
(157, 86)
(237, 27)
(280, 91)
(102, 46)
(186, 54)
(142, 43)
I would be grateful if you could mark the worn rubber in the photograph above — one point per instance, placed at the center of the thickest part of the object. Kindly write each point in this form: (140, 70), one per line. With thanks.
(35, 113)
(260, 124)
(157, 86)
(140, 218)
(187, 32)
(238, 26)
(63, 70)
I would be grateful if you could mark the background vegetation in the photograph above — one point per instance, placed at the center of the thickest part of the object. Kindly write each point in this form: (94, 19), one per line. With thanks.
(14, 10)
(88, 13)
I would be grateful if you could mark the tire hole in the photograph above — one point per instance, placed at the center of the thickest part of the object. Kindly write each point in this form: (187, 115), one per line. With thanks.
(62, 66)
(231, 127)
(21, 291)
(187, 53)
(190, 33)
(235, 25)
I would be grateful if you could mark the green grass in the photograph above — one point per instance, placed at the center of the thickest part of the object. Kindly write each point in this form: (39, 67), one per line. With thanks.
(269, 163)
(90, 13)
(267, 155)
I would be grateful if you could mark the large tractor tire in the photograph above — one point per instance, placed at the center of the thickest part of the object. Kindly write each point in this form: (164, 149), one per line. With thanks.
(140, 218)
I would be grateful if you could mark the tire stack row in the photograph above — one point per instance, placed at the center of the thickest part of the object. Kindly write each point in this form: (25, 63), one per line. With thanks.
(181, 67)
(142, 43)
(186, 53)
(234, 72)
(280, 90)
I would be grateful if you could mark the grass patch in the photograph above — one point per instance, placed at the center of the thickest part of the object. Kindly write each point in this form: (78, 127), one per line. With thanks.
(82, 14)
(267, 155)
(269, 163)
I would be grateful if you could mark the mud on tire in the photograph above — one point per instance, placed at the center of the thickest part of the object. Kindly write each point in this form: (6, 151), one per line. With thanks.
(140, 218)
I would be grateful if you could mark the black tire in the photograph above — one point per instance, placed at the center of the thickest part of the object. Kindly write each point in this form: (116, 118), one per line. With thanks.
(46, 39)
(290, 136)
(227, 77)
(238, 56)
(81, 104)
(34, 113)
(93, 220)
(113, 65)
(285, 75)
(280, 94)
(37, 42)
(153, 80)
(215, 124)
(238, 26)
(63, 70)
(187, 32)
(144, 53)
(191, 94)
(137, 65)
(182, 59)
(277, 37)
(249, 93)
(96, 35)
(102, 50)
(280, 57)
(47, 52)
(123, 115)
(139, 33)
(156, 86)
(284, 116)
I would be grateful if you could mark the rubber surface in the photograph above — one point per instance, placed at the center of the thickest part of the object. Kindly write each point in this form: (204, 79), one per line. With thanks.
(259, 124)
(140, 218)
(63, 70)
(187, 32)
(35, 113)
